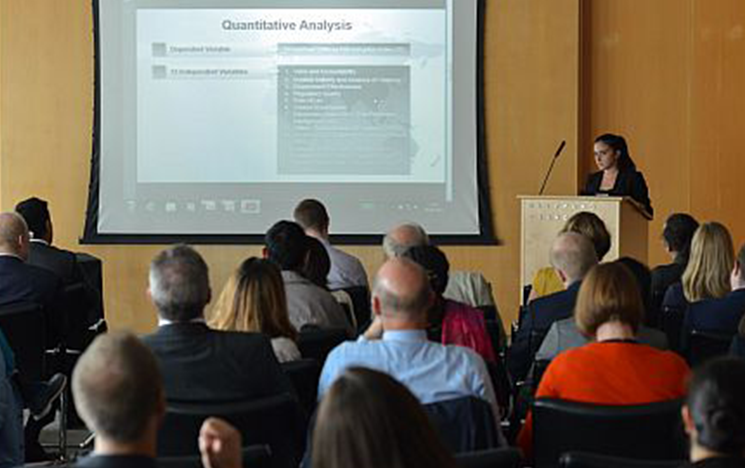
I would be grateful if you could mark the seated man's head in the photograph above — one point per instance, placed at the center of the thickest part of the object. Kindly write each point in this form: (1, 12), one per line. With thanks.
(14, 237)
(572, 254)
(402, 237)
(435, 263)
(179, 284)
(714, 412)
(286, 245)
(312, 216)
(35, 212)
(402, 295)
(118, 392)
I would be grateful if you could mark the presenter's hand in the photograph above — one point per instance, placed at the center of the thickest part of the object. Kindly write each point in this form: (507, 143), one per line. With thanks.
(220, 445)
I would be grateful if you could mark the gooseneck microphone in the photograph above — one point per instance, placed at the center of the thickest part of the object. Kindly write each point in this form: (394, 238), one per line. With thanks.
(551, 167)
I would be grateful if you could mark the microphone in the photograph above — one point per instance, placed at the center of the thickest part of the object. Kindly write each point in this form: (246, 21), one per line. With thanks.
(551, 167)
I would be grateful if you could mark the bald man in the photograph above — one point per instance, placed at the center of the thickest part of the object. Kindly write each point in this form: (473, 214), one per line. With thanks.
(24, 283)
(402, 237)
(397, 343)
(118, 391)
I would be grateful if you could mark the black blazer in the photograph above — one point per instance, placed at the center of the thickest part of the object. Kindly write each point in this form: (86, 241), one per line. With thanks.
(61, 262)
(541, 314)
(664, 276)
(115, 461)
(716, 315)
(24, 283)
(200, 365)
(629, 183)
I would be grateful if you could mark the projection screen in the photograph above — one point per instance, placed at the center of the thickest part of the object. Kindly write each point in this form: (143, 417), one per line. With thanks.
(214, 118)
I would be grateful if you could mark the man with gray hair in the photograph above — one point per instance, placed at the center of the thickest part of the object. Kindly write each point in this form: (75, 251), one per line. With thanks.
(397, 344)
(200, 364)
(118, 392)
(572, 255)
(402, 237)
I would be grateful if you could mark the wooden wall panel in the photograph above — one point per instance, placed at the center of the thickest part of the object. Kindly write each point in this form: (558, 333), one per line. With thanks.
(46, 101)
(670, 75)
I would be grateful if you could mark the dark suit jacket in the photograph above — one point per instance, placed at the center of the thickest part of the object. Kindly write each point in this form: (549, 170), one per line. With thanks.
(199, 364)
(664, 276)
(24, 283)
(629, 183)
(115, 461)
(716, 315)
(542, 313)
(61, 262)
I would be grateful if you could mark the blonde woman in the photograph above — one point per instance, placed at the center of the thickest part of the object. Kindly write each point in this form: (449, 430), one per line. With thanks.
(707, 275)
(254, 300)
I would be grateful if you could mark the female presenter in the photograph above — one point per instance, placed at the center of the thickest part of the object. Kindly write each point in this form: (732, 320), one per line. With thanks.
(617, 175)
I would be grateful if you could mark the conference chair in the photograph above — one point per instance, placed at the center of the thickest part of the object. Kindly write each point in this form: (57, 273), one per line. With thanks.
(502, 384)
(304, 375)
(671, 322)
(277, 421)
(360, 296)
(506, 457)
(647, 432)
(593, 460)
(703, 345)
(24, 326)
(465, 424)
(255, 456)
(317, 343)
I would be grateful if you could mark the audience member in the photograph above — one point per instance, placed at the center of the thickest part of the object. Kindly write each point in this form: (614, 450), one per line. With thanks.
(307, 304)
(564, 334)
(614, 368)
(721, 315)
(254, 300)
(346, 270)
(118, 392)
(11, 419)
(402, 237)
(317, 264)
(396, 343)
(707, 275)
(546, 280)
(676, 235)
(367, 420)
(714, 414)
(24, 283)
(572, 255)
(200, 364)
(452, 322)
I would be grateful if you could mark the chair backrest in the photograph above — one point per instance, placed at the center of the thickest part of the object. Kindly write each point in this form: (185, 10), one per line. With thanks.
(317, 343)
(704, 345)
(77, 311)
(506, 457)
(653, 431)
(593, 460)
(360, 296)
(465, 424)
(671, 322)
(24, 327)
(276, 421)
(304, 375)
(502, 383)
(255, 456)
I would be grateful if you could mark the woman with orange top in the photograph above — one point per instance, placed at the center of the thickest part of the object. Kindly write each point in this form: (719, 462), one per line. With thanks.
(613, 369)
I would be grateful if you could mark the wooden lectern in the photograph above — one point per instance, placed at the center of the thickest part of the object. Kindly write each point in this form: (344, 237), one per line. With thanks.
(542, 217)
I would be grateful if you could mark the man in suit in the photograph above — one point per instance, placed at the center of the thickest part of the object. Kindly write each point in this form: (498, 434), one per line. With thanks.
(572, 255)
(346, 270)
(307, 303)
(200, 364)
(118, 391)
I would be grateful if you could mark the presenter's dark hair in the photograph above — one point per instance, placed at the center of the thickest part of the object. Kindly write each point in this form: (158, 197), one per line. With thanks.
(716, 404)
(311, 214)
(368, 419)
(435, 263)
(35, 212)
(678, 233)
(286, 245)
(618, 143)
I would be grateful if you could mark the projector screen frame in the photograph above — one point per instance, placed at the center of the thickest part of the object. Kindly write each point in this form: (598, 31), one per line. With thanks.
(486, 236)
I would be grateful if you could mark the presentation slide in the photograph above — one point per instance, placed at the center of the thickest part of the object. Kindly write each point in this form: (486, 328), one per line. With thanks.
(218, 117)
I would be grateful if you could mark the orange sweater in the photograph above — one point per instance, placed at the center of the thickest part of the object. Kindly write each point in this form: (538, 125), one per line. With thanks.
(610, 373)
